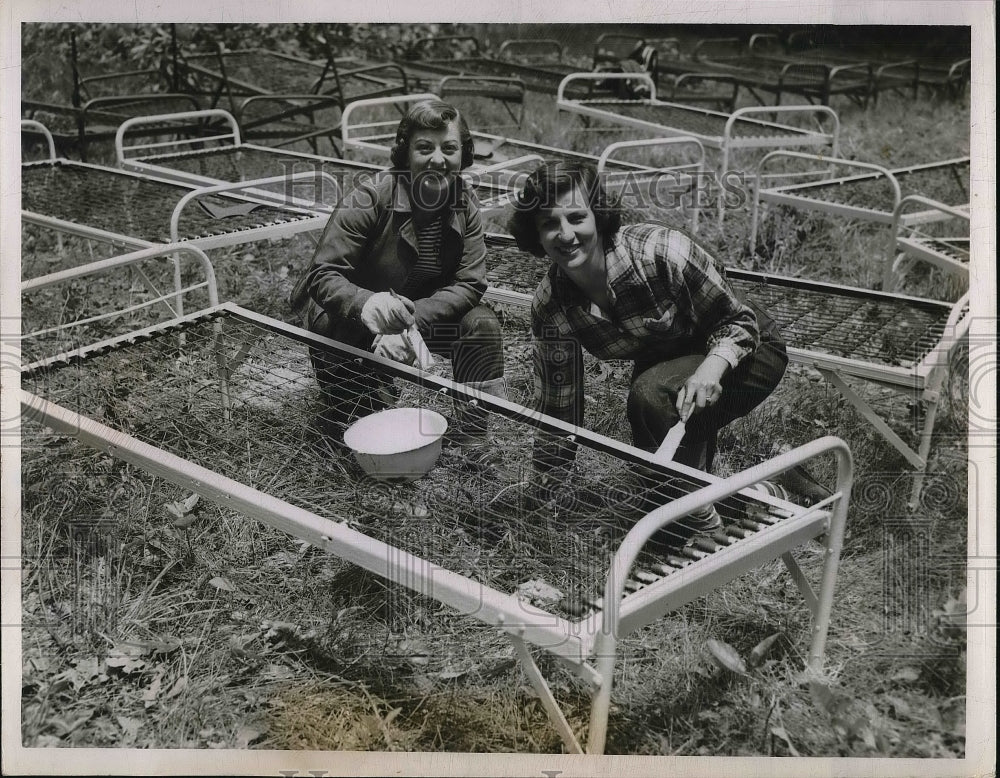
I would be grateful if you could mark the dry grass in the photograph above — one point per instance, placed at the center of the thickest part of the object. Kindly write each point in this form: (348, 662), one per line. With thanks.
(230, 634)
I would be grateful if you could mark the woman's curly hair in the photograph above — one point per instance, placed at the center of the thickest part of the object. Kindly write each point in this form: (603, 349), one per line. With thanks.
(429, 115)
(545, 185)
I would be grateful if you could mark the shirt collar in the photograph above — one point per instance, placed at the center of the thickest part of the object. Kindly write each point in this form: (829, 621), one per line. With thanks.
(618, 268)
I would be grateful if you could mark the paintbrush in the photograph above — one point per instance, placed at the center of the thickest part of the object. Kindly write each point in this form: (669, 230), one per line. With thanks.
(665, 453)
(413, 338)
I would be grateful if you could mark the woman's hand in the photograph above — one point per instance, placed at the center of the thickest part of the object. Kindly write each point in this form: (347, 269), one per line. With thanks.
(703, 388)
(396, 347)
(387, 313)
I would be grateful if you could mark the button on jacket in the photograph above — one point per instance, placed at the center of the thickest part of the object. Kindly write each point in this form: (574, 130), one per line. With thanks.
(370, 245)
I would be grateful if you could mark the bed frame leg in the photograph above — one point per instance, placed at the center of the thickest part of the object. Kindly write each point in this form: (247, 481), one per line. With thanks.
(873, 418)
(932, 398)
(831, 563)
(545, 695)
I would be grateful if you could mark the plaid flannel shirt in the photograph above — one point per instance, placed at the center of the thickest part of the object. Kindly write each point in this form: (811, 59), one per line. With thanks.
(667, 300)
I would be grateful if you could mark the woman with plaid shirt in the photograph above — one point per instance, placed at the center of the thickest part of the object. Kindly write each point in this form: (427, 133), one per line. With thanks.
(641, 292)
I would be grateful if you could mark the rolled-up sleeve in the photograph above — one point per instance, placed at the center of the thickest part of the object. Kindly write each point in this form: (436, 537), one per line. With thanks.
(728, 325)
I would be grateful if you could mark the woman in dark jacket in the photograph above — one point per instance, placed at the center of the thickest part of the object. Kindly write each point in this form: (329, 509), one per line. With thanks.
(407, 249)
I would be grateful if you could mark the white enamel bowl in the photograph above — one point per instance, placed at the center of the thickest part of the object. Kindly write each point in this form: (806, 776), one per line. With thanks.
(399, 444)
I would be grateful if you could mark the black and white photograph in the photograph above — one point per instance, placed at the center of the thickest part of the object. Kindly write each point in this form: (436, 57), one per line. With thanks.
(464, 391)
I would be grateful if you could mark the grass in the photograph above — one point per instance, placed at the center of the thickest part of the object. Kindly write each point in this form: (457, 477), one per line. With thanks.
(225, 633)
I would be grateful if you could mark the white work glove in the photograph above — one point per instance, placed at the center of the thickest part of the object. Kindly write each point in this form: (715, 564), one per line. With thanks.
(397, 347)
(386, 313)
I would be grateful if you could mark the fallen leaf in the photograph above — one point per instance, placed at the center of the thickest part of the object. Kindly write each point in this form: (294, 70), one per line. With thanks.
(189, 503)
(726, 657)
(66, 724)
(221, 583)
(900, 706)
(179, 686)
(127, 664)
(906, 674)
(447, 675)
(413, 510)
(151, 692)
(175, 509)
(760, 650)
(129, 726)
(538, 592)
(185, 521)
(246, 735)
(278, 672)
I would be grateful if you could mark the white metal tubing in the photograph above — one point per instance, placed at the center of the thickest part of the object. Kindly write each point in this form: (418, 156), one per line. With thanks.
(84, 231)
(169, 251)
(649, 603)
(897, 220)
(606, 645)
(681, 140)
(612, 148)
(761, 193)
(515, 162)
(643, 77)
(831, 560)
(859, 403)
(730, 141)
(533, 42)
(31, 124)
(545, 695)
(346, 128)
(509, 80)
(262, 197)
(119, 311)
(748, 111)
(138, 121)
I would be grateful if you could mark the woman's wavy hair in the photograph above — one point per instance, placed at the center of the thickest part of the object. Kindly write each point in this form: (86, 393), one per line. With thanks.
(549, 182)
(429, 115)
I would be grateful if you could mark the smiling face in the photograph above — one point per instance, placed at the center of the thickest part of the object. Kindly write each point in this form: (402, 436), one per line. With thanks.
(435, 160)
(568, 233)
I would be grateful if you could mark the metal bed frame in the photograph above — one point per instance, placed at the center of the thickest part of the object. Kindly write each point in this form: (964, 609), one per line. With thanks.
(91, 201)
(296, 87)
(726, 133)
(537, 77)
(624, 587)
(224, 156)
(872, 195)
(886, 74)
(677, 80)
(137, 264)
(896, 341)
(814, 80)
(948, 75)
(950, 253)
(75, 128)
(261, 72)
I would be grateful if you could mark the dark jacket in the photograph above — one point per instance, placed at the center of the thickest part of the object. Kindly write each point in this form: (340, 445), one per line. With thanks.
(370, 245)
